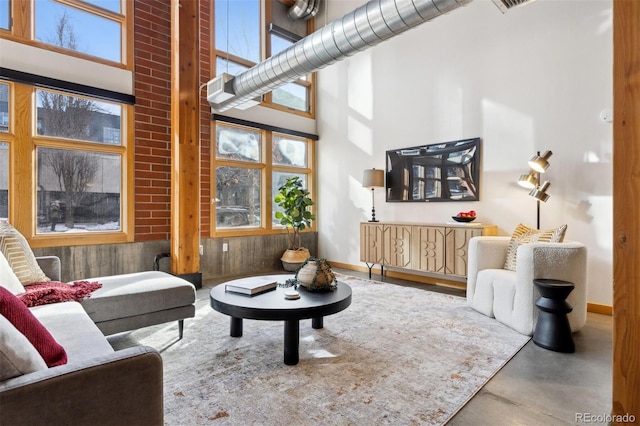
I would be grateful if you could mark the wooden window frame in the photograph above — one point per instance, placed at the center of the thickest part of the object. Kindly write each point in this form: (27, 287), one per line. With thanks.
(23, 143)
(265, 52)
(266, 165)
(22, 29)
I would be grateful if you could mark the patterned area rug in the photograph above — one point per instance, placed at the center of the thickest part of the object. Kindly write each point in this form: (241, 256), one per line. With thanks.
(397, 355)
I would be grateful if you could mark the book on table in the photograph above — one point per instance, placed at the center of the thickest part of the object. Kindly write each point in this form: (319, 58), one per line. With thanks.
(251, 285)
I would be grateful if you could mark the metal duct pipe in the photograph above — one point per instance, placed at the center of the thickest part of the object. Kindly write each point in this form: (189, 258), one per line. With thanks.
(365, 27)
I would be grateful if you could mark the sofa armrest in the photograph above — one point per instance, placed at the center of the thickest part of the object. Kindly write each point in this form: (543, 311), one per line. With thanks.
(124, 387)
(484, 253)
(50, 265)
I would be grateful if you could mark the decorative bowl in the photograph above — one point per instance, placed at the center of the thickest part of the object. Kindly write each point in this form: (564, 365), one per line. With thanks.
(463, 219)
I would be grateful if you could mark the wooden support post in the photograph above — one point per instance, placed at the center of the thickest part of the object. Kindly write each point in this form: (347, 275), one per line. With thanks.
(626, 216)
(185, 138)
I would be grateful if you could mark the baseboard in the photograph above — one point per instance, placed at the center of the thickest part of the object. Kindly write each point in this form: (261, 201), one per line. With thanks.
(595, 308)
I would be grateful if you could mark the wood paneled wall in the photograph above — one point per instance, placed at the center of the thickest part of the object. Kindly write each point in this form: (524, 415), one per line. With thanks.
(626, 209)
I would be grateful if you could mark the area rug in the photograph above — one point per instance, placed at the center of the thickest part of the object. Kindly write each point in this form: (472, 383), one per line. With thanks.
(398, 355)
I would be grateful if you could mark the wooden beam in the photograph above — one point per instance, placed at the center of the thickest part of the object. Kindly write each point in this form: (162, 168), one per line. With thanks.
(185, 137)
(626, 215)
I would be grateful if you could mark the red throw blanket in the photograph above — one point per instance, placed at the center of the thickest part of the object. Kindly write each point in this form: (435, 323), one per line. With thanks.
(55, 291)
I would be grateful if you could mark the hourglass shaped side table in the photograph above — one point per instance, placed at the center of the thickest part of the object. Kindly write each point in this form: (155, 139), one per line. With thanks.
(552, 330)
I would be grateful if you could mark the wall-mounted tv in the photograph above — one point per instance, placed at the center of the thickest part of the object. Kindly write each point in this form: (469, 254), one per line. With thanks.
(447, 171)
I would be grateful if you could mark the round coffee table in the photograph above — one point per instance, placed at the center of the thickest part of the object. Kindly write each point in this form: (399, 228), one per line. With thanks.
(272, 306)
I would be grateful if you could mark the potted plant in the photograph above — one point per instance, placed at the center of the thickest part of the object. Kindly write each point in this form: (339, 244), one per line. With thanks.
(295, 215)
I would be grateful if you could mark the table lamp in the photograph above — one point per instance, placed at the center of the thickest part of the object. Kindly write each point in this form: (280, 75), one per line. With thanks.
(373, 178)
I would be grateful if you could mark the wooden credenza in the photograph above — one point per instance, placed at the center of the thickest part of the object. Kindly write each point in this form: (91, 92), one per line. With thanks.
(434, 248)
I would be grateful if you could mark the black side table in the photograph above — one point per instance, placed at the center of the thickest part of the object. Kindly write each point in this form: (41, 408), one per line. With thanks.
(553, 331)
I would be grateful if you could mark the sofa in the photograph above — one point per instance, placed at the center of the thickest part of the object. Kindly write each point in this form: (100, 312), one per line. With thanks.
(98, 385)
(509, 296)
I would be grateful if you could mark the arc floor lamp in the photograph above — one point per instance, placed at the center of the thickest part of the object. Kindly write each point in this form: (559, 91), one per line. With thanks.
(373, 178)
(538, 164)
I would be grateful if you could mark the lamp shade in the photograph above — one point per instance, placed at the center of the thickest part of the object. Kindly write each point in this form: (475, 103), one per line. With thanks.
(540, 163)
(541, 193)
(528, 181)
(373, 178)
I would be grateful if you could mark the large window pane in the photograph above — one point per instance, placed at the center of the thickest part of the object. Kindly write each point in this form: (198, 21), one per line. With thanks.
(5, 12)
(4, 180)
(292, 95)
(238, 144)
(77, 191)
(238, 197)
(288, 151)
(4, 107)
(278, 44)
(237, 26)
(279, 179)
(77, 30)
(78, 118)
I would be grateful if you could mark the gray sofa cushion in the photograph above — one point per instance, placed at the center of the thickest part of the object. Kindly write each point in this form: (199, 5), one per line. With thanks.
(85, 342)
(135, 294)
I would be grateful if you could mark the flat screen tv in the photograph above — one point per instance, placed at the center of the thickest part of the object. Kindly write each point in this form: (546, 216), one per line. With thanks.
(447, 171)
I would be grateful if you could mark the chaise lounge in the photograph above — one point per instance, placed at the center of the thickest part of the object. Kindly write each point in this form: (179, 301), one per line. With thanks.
(96, 385)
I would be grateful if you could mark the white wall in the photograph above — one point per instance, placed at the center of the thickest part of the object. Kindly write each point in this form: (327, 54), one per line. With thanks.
(533, 79)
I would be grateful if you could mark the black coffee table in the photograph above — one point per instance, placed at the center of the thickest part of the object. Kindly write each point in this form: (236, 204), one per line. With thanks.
(272, 306)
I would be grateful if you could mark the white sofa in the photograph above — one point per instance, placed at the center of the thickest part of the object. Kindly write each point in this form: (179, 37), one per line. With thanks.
(509, 296)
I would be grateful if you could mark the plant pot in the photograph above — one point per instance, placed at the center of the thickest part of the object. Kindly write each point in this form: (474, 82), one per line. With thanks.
(293, 259)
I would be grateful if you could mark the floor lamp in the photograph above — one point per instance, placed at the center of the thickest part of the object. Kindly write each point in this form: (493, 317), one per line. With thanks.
(539, 164)
(373, 178)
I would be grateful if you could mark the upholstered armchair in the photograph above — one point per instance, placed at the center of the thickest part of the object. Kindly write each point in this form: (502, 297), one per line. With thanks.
(509, 296)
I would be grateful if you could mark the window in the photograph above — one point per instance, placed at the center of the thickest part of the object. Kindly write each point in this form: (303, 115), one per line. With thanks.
(79, 185)
(238, 179)
(5, 13)
(75, 29)
(239, 33)
(91, 29)
(294, 95)
(250, 165)
(237, 28)
(75, 185)
(4, 107)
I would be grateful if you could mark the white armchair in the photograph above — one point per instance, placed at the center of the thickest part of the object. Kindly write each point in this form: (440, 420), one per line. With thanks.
(509, 296)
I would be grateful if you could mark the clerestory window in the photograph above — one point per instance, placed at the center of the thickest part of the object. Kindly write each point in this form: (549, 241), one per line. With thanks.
(248, 31)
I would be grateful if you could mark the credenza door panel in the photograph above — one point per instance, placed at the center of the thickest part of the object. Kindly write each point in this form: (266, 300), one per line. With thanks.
(371, 243)
(397, 245)
(428, 249)
(457, 243)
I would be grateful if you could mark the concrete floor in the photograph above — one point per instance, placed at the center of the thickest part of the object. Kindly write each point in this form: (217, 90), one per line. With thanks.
(538, 386)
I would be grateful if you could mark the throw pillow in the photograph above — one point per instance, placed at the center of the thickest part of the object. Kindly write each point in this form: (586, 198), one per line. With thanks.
(21, 317)
(17, 354)
(8, 279)
(524, 235)
(16, 250)
(54, 292)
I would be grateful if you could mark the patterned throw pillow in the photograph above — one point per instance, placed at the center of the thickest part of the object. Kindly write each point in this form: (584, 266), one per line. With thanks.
(8, 279)
(16, 250)
(524, 235)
